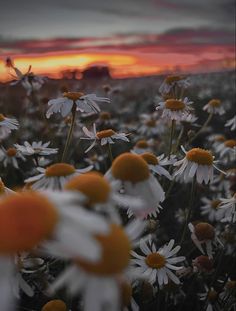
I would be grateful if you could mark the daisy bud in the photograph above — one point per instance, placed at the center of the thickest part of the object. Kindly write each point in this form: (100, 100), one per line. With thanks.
(203, 263)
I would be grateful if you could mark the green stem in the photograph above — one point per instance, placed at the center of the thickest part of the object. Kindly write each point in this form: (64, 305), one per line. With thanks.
(190, 207)
(68, 139)
(179, 140)
(202, 128)
(171, 137)
(110, 153)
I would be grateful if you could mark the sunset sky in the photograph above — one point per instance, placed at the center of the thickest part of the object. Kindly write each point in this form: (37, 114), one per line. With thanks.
(133, 37)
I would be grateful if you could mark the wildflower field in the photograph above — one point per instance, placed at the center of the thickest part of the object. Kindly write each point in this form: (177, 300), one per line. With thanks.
(118, 194)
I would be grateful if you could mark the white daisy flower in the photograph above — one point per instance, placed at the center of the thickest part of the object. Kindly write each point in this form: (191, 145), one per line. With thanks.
(227, 150)
(151, 125)
(36, 148)
(55, 176)
(229, 208)
(44, 216)
(156, 264)
(99, 195)
(175, 109)
(214, 106)
(7, 125)
(171, 82)
(197, 162)
(211, 209)
(231, 123)
(105, 136)
(131, 172)
(203, 233)
(10, 157)
(210, 296)
(156, 163)
(28, 80)
(83, 103)
(142, 146)
(99, 282)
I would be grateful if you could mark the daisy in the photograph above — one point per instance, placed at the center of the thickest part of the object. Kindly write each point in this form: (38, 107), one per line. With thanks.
(150, 125)
(197, 162)
(211, 209)
(83, 103)
(28, 80)
(43, 216)
(99, 195)
(7, 125)
(131, 172)
(171, 82)
(231, 123)
(203, 233)
(156, 163)
(99, 283)
(175, 109)
(156, 264)
(214, 106)
(105, 136)
(142, 146)
(227, 149)
(36, 148)
(181, 215)
(10, 157)
(229, 208)
(210, 296)
(55, 176)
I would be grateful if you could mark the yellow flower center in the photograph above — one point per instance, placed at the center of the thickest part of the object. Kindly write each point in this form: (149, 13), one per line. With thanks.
(130, 167)
(151, 123)
(54, 305)
(200, 156)
(204, 231)
(231, 143)
(142, 144)
(220, 138)
(93, 185)
(115, 253)
(26, 219)
(11, 152)
(105, 133)
(73, 95)
(150, 158)
(214, 103)
(126, 294)
(105, 115)
(155, 260)
(174, 104)
(2, 118)
(59, 169)
(172, 79)
(212, 295)
(215, 204)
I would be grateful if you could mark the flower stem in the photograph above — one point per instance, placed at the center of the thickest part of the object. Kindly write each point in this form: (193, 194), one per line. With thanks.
(202, 128)
(179, 139)
(190, 207)
(68, 139)
(110, 153)
(171, 137)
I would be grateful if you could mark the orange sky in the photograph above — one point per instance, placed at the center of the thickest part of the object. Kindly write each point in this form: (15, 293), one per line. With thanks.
(123, 61)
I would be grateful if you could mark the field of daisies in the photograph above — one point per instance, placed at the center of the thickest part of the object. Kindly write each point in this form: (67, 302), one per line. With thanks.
(118, 195)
